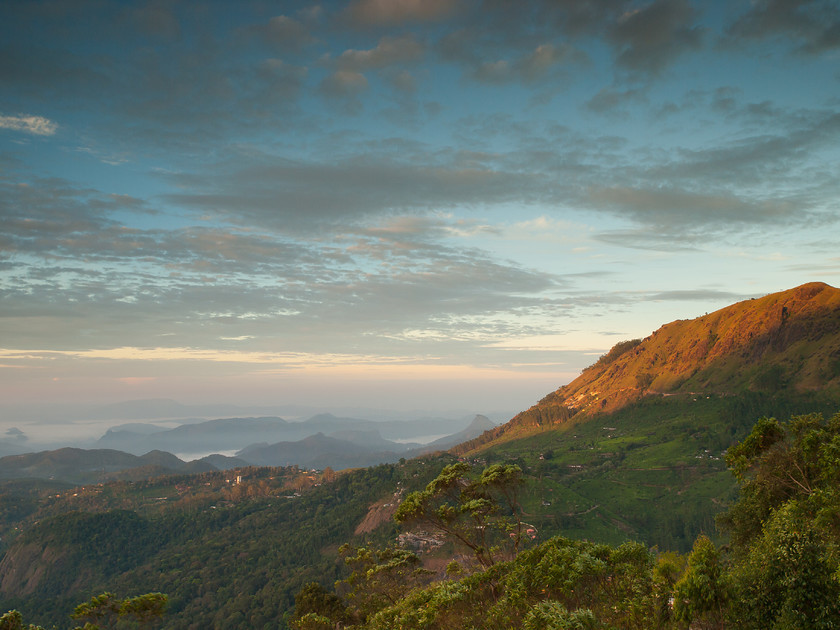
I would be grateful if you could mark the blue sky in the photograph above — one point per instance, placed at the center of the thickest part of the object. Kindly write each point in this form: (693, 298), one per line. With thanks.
(397, 203)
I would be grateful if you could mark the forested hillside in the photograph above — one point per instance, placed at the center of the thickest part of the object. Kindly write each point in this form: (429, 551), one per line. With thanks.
(227, 554)
(780, 569)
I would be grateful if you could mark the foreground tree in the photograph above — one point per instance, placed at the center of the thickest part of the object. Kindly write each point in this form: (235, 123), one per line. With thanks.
(106, 611)
(700, 596)
(315, 605)
(481, 514)
(379, 578)
(560, 583)
(103, 611)
(785, 527)
(13, 620)
(669, 568)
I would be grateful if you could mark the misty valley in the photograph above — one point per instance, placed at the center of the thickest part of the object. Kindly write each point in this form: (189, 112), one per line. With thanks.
(318, 442)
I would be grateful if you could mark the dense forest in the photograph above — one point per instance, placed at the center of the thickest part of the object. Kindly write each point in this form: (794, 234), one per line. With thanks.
(229, 549)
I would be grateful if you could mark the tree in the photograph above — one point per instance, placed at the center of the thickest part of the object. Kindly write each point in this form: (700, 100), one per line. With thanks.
(504, 481)
(314, 603)
(700, 595)
(779, 462)
(785, 527)
(102, 609)
(106, 609)
(483, 515)
(144, 608)
(668, 569)
(13, 620)
(313, 621)
(380, 577)
(560, 583)
(549, 615)
(788, 579)
(328, 476)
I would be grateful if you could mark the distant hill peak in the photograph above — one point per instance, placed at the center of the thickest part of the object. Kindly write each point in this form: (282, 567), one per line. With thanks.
(788, 340)
(481, 422)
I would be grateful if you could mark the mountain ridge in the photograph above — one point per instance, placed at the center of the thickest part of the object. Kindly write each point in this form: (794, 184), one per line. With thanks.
(786, 340)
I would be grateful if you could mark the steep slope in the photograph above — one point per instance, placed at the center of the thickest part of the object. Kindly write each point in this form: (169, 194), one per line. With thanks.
(61, 555)
(787, 341)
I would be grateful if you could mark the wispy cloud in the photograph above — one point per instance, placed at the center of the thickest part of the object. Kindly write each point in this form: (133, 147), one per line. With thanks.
(35, 125)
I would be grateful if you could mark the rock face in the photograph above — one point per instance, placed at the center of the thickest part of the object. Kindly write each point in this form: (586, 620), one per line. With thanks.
(379, 513)
(783, 341)
(24, 570)
(68, 554)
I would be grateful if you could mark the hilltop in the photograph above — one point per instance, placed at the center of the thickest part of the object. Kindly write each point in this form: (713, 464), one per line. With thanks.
(787, 341)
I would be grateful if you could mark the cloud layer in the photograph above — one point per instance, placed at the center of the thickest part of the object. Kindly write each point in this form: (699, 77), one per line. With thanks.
(452, 184)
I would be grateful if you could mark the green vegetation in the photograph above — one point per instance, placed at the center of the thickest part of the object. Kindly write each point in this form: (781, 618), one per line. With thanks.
(700, 594)
(235, 553)
(780, 571)
(105, 611)
(228, 554)
(786, 526)
(653, 471)
(559, 579)
(481, 514)
(378, 578)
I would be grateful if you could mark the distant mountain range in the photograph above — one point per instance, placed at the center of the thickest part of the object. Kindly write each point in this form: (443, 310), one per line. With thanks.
(352, 448)
(315, 451)
(477, 427)
(231, 434)
(352, 443)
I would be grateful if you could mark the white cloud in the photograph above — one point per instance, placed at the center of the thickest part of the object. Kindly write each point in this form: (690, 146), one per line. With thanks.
(37, 125)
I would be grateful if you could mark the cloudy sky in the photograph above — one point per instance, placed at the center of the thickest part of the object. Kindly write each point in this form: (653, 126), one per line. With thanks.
(425, 203)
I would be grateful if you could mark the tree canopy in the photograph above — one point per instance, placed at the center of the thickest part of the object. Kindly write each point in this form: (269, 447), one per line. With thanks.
(482, 514)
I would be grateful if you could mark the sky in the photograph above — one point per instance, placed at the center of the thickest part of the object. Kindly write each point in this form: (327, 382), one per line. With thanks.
(436, 204)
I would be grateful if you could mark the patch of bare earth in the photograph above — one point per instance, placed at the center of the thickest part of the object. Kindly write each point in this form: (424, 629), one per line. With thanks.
(379, 513)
